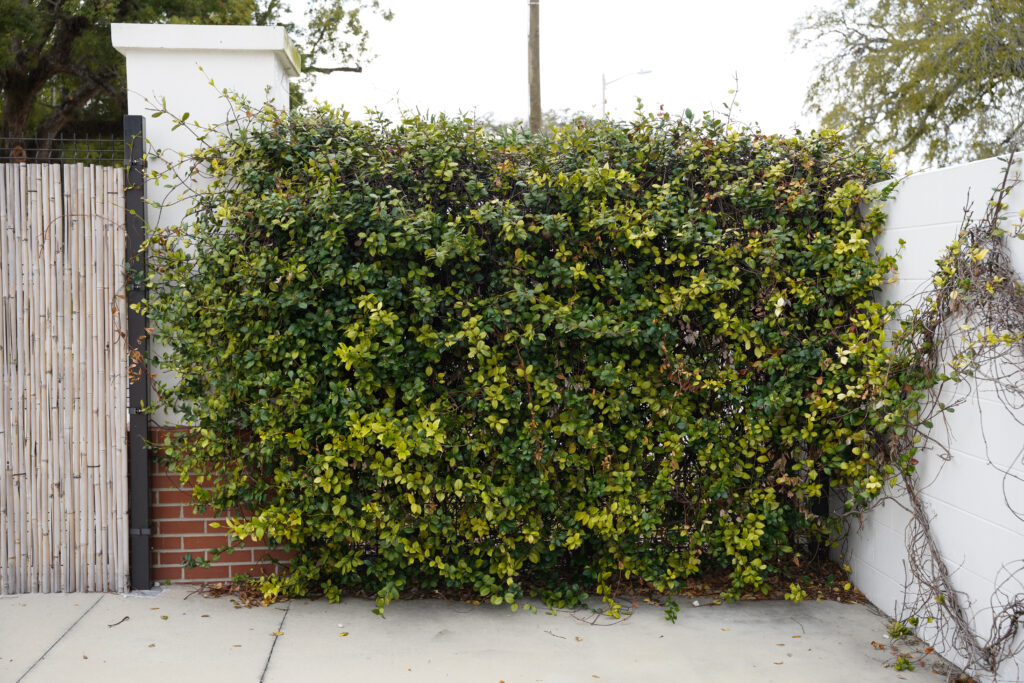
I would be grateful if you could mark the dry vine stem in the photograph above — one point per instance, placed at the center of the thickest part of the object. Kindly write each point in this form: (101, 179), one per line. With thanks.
(969, 325)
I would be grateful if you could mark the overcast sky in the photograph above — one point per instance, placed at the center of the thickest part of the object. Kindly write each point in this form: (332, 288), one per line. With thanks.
(470, 56)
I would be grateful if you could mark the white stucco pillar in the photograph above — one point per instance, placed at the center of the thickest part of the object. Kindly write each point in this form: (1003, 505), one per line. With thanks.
(163, 65)
(174, 65)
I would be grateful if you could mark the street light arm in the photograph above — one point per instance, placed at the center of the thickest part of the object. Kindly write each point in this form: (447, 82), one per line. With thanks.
(635, 73)
(605, 83)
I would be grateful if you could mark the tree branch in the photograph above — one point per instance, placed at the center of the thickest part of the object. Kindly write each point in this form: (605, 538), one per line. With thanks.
(69, 107)
(332, 69)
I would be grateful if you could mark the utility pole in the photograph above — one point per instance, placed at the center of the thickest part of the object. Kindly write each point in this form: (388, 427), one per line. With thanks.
(534, 65)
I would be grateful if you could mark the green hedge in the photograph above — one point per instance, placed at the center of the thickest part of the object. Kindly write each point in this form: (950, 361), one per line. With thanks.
(426, 354)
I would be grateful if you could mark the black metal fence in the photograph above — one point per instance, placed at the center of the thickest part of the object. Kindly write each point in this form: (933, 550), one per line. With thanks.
(140, 547)
(63, 149)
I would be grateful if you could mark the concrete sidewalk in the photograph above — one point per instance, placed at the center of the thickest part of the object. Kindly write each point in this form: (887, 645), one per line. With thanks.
(176, 634)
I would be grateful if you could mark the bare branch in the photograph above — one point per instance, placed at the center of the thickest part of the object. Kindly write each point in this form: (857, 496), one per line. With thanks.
(332, 69)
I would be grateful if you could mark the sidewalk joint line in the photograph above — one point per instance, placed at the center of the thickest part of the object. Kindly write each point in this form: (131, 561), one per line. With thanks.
(280, 629)
(60, 638)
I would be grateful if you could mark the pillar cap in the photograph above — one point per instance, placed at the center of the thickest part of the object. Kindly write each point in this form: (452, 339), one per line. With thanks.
(206, 38)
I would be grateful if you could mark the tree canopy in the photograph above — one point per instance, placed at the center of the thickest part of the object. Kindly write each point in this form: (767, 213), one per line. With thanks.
(938, 79)
(59, 72)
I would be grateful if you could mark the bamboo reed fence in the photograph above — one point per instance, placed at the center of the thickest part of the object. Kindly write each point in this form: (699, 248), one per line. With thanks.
(63, 357)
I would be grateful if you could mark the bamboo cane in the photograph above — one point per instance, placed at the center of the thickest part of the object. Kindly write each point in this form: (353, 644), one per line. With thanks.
(95, 383)
(19, 396)
(99, 455)
(5, 376)
(41, 383)
(35, 403)
(80, 373)
(32, 405)
(56, 367)
(24, 379)
(87, 346)
(100, 377)
(122, 374)
(112, 325)
(71, 319)
(103, 369)
(45, 382)
(44, 258)
(89, 389)
(25, 364)
(57, 318)
(96, 452)
(5, 382)
(54, 364)
(119, 431)
(116, 371)
(10, 380)
(25, 388)
(67, 395)
(68, 473)
(79, 442)
(83, 403)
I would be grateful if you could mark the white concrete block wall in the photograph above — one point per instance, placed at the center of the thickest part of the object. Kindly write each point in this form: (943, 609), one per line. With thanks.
(976, 532)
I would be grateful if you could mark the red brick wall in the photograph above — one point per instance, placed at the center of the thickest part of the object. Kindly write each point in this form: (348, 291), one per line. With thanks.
(177, 529)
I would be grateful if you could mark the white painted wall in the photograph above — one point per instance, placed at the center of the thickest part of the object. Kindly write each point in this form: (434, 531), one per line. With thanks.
(976, 532)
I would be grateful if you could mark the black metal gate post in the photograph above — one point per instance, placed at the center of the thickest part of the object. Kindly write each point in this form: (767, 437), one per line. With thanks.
(139, 550)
